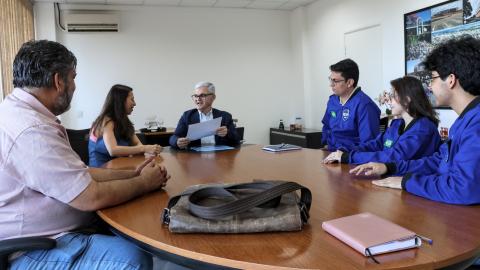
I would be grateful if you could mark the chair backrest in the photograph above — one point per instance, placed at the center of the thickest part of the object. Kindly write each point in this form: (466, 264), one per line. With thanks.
(79, 142)
(10, 246)
(141, 137)
(240, 131)
(383, 124)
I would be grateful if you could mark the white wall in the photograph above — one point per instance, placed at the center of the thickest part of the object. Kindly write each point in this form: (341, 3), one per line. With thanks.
(447, 117)
(1, 85)
(163, 51)
(267, 65)
(327, 21)
(302, 64)
(44, 17)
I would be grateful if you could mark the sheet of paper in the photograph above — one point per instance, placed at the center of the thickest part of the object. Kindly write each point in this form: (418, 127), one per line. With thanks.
(211, 148)
(203, 129)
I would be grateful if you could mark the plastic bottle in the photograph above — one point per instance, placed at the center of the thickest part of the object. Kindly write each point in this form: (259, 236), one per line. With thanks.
(298, 123)
(281, 126)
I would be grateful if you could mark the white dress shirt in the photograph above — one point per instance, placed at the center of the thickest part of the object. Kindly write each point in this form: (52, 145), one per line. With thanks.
(209, 140)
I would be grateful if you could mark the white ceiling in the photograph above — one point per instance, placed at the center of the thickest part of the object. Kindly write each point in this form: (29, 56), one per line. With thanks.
(253, 4)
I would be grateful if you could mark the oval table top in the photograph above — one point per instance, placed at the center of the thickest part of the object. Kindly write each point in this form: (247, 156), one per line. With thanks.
(455, 230)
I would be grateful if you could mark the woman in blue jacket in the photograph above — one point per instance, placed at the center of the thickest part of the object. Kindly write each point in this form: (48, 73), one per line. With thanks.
(412, 136)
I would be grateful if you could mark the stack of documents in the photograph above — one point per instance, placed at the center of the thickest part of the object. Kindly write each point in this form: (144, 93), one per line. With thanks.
(203, 129)
(281, 147)
(211, 148)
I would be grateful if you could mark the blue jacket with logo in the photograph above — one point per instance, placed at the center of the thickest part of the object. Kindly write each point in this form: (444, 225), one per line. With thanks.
(345, 126)
(451, 175)
(419, 139)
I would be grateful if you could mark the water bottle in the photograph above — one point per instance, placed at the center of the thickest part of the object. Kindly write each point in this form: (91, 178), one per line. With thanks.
(298, 123)
(281, 126)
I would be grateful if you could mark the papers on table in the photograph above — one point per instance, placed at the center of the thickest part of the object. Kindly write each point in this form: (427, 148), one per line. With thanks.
(211, 148)
(281, 147)
(203, 129)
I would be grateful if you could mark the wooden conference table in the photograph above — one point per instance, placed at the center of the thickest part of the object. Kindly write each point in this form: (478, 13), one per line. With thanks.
(455, 230)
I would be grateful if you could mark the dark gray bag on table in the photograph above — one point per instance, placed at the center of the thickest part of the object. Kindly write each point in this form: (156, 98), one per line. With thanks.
(259, 206)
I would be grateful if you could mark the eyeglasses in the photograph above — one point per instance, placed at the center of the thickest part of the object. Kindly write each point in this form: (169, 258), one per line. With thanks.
(433, 78)
(333, 81)
(201, 96)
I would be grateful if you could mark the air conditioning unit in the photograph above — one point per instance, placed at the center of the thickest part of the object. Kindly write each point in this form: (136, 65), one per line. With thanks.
(91, 22)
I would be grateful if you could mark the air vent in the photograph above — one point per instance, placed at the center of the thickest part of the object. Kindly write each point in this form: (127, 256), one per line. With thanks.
(91, 22)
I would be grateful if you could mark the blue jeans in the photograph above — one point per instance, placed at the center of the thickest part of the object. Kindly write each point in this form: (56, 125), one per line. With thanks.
(80, 251)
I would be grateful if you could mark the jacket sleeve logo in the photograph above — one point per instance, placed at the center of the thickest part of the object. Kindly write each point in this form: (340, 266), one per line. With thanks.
(388, 143)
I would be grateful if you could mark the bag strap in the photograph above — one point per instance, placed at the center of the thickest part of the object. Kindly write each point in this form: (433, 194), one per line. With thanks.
(171, 203)
(254, 185)
(270, 197)
(244, 204)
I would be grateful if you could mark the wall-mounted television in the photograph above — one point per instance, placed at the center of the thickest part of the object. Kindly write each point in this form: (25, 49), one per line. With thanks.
(427, 27)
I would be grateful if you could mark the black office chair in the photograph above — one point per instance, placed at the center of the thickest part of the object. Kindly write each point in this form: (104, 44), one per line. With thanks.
(240, 132)
(141, 137)
(10, 246)
(383, 124)
(79, 142)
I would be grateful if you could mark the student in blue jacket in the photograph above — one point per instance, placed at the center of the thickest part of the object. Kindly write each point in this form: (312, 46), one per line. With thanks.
(351, 117)
(412, 136)
(452, 174)
(203, 97)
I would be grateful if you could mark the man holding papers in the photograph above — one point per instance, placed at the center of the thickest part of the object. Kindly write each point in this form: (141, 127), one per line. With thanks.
(201, 126)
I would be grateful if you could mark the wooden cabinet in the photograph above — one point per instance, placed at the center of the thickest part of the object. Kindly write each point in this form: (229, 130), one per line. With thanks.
(307, 138)
(158, 137)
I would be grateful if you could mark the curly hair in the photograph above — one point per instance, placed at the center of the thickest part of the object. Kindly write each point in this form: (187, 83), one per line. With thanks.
(458, 56)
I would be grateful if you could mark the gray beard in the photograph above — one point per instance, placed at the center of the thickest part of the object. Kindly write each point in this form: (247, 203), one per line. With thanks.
(62, 103)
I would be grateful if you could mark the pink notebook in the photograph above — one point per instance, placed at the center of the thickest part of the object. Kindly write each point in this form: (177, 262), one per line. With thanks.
(370, 234)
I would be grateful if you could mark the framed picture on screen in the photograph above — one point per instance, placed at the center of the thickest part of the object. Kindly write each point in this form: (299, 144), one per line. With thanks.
(427, 27)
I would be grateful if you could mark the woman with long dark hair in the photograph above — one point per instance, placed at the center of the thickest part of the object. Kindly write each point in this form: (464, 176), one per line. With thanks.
(112, 133)
(412, 136)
